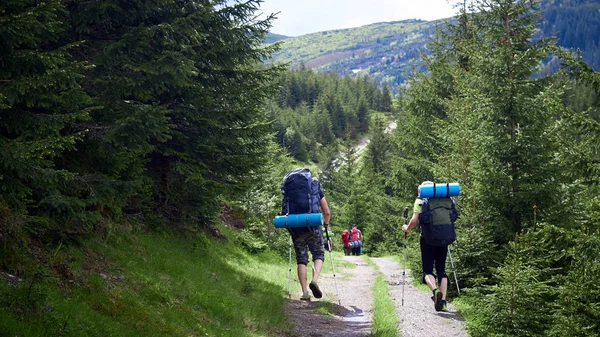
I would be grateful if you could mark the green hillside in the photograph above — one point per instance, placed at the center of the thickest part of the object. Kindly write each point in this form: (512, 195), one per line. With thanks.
(272, 37)
(383, 50)
(388, 51)
(140, 284)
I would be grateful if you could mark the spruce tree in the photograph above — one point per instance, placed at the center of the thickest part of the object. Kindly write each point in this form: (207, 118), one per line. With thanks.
(516, 305)
(182, 91)
(578, 296)
(40, 103)
(578, 139)
(512, 160)
(422, 105)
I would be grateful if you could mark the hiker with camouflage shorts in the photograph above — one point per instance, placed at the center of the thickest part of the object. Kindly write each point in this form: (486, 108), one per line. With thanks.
(306, 239)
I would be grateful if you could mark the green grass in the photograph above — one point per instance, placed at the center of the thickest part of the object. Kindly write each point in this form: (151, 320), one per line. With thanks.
(467, 306)
(325, 308)
(152, 285)
(339, 264)
(385, 318)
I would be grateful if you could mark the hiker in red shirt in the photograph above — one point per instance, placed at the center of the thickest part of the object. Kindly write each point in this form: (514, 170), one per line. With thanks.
(356, 240)
(346, 241)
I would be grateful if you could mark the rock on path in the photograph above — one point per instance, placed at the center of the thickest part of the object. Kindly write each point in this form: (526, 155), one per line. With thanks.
(418, 317)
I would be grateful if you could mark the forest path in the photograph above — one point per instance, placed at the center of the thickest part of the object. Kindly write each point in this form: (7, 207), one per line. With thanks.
(418, 317)
(354, 317)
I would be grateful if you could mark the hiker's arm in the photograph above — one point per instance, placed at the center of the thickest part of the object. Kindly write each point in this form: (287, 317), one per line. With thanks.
(412, 223)
(325, 210)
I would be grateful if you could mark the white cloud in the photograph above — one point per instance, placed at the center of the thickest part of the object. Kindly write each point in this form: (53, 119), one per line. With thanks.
(298, 17)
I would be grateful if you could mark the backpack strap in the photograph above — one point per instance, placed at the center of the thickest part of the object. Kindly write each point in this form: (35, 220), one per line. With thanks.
(287, 207)
(309, 199)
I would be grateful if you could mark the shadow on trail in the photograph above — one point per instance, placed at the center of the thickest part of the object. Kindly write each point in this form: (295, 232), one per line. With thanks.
(451, 315)
(344, 312)
(349, 320)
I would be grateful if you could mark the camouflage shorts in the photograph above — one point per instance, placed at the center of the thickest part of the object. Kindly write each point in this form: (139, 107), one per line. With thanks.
(313, 241)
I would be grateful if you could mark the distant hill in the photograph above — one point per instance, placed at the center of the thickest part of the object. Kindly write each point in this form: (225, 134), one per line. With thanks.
(383, 50)
(576, 24)
(388, 51)
(272, 38)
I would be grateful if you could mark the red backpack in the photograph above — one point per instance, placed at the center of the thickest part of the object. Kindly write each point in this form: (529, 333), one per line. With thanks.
(355, 236)
(345, 237)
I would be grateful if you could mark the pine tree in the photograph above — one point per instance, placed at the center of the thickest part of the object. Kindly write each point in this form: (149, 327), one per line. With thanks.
(182, 90)
(578, 296)
(40, 102)
(386, 99)
(376, 158)
(422, 105)
(577, 153)
(513, 157)
(516, 305)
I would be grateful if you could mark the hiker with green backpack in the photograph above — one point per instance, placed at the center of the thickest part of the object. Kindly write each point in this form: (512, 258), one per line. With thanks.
(436, 216)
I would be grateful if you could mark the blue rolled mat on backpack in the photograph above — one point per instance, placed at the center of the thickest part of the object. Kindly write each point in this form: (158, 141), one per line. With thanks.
(299, 220)
(355, 244)
(440, 190)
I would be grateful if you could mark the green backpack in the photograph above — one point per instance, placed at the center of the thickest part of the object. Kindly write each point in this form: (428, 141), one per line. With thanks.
(437, 219)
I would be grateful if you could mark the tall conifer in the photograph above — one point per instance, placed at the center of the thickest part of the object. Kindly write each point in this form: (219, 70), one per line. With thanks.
(40, 101)
(182, 91)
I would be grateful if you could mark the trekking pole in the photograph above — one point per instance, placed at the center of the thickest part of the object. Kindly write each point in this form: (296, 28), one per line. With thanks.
(454, 270)
(290, 269)
(404, 270)
(332, 268)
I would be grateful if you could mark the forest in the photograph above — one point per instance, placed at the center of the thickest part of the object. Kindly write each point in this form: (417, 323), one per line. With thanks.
(165, 117)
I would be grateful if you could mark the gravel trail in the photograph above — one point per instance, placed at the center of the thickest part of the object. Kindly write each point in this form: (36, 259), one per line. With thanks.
(353, 318)
(418, 318)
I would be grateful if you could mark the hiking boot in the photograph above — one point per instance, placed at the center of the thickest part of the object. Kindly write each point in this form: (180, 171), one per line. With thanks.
(305, 296)
(434, 291)
(444, 305)
(438, 301)
(315, 289)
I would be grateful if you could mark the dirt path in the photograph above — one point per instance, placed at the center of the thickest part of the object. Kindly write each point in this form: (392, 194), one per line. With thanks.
(418, 318)
(353, 318)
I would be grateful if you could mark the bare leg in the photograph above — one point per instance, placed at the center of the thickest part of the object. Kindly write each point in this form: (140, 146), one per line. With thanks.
(430, 280)
(444, 287)
(302, 277)
(318, 265)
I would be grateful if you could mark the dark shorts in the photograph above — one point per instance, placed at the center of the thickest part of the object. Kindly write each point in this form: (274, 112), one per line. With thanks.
(313, 241)
(433, 255)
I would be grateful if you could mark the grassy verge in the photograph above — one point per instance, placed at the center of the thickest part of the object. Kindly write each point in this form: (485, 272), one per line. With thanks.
(151, 285)
(385, 319)
(467, 306)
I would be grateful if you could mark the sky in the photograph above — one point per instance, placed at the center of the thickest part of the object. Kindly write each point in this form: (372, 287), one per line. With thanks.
(299, 17)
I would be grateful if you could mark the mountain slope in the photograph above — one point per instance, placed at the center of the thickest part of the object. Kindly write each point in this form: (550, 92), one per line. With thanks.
(272, 37)
(388, 51)
(383, 50)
